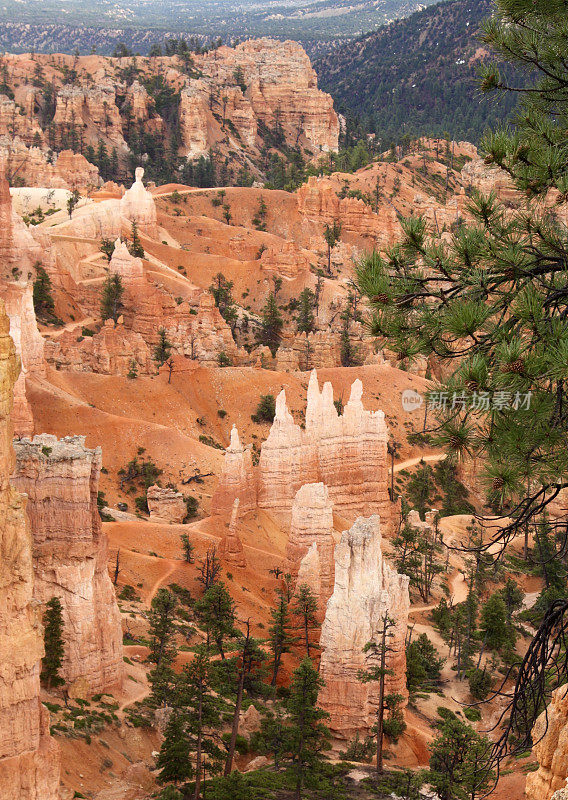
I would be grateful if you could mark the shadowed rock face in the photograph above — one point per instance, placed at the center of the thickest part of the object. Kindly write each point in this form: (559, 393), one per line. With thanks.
(61, 479)
(366, 588)
(237, 480)
(551, 751)
(29, 757)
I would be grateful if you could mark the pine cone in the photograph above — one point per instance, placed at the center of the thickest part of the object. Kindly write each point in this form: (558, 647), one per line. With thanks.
(517, 367)
(472, 385)
(497, 483)
(381, 298)
(400, 356)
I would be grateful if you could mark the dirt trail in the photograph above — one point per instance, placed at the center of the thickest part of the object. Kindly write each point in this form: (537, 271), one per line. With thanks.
(411, 462)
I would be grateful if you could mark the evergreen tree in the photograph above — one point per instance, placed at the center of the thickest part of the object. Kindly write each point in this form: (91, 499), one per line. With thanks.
(280, 638)
(305, 319)
(249, 663)
(332, 235)
(221, 290)
(135, 247)
(270, 331)
(53, 644)
(174, 758)
(187, 548)
(44, 305)
(377, 672)
(111, 299)
(72, 201)
(201, 707)
(133, 369)
(216, 614)
(309, 736)
(162, 632)
(423, 664)
(494, 627)
(305, 608)
(163, 349)
(459, 762)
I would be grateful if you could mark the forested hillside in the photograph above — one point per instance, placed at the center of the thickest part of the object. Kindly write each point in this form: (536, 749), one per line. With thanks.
(417, 75)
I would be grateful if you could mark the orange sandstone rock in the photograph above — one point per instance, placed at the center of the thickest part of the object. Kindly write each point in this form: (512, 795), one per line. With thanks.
(29, 757)
(237, 481)
(61, 479)
(366, 588)
(551, 748)
(312, 524)
(166, 504)
(231, 548)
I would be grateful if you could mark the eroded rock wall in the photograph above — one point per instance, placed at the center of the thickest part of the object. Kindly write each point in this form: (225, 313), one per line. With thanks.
(29, 757)
(366, 590)
(61, 480)
(551, 749)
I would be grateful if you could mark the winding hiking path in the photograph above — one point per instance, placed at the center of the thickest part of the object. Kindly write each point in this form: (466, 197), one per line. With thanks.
(412, 462)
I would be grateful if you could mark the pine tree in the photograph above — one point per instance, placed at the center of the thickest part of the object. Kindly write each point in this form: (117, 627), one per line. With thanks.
(249, 663)
(377, 672)
(133, 369)
(221, 290)
(270, 331)
(44, 305)
(280, 639)
(332, 235)
(111, 299)
(305, 319)
(163, 651)
(174, 758)
(135, 247)
(187, 548)
(163, 349)
(308, 735)
(459, 762)
(72, 201)
(216, 614)
(305, 608)
(53, 643)
(201, 707)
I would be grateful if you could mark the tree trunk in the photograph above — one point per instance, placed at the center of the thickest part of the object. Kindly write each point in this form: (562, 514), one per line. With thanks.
(196, 792)
(235, 728)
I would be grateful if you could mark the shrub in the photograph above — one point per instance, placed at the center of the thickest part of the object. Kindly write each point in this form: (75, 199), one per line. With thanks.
(265, 409)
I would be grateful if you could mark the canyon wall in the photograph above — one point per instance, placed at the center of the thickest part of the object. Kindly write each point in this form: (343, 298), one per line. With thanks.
(29, 757)
(366, 590)
(61, 480)
(551, 749)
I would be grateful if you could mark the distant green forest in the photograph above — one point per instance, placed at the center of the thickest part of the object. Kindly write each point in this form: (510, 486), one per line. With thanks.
(417, 76)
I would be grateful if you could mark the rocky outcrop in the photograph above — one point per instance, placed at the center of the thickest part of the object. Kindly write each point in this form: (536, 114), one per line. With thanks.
(166, 505)
(137, 205)
(231, 548)
(347, 452)
(319, 202)
(194, 115)
(18, 299)
(61, 480)
(286, 260)
(111, 351)
(312, 527)
(87, 113)
(127, 266)
(29, 757)
(76, 171)
(551, 749)
(366, 591)
(204, 335)
(237, 481)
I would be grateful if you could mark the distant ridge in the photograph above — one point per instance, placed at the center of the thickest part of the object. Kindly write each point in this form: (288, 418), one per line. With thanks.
(417, 75)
